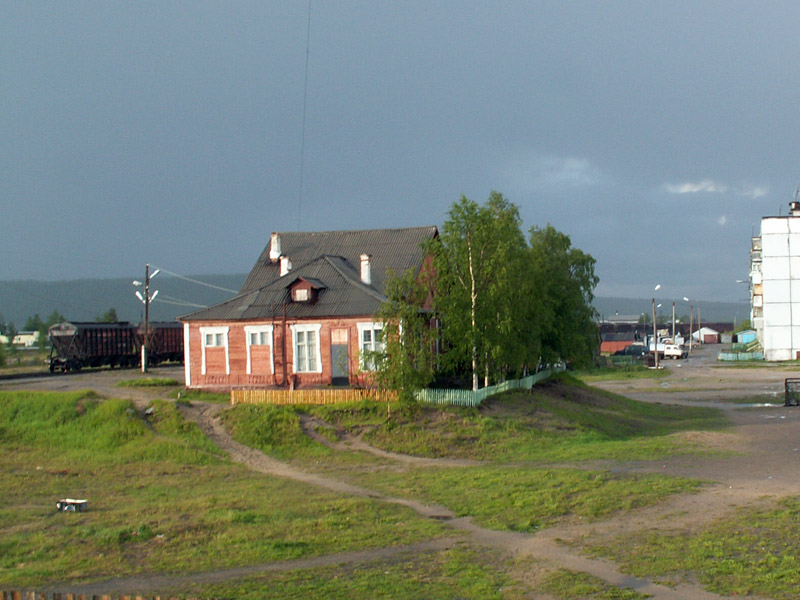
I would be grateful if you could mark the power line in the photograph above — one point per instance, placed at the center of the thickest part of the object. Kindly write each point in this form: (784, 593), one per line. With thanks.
(303, 135)
(177, 301)
(198, 282)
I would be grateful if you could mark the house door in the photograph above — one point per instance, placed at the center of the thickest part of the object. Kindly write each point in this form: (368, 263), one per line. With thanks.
(339, 358)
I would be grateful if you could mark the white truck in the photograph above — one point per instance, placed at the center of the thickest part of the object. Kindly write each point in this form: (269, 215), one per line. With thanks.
(667, 349)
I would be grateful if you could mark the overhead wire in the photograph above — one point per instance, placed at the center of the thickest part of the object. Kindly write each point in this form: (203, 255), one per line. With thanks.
(197, 281)
(303, 132)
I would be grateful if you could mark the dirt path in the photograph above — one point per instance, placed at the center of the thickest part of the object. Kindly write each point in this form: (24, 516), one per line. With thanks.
(545, 546)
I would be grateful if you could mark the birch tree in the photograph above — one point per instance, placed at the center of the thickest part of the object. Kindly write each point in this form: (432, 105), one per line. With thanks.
(477, 258)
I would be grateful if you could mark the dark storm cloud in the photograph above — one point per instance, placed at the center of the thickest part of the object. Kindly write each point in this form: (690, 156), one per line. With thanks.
(656, 135)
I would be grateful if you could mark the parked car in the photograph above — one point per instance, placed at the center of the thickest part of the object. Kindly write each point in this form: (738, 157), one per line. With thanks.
(637, 350)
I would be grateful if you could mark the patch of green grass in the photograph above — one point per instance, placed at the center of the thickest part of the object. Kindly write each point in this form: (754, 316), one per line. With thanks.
(524, 499)
(567, 585)
(275, 430)
(149, 382)
(455, 573)
(564, 420)
(161, 498)
(755, 552)
(556, 422)
(188, 396)
(620, 373)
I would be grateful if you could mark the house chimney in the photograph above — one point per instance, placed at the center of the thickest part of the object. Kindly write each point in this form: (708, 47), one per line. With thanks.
(286, 265)
(275, 247)
(794, 208)
(366, 276)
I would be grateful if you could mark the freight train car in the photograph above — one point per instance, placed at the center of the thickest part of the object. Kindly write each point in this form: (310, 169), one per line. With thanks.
(165, 342)
(75, 345)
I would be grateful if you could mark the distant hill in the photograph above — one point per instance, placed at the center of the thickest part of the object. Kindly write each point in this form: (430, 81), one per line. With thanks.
(709, 311)
(86, 299)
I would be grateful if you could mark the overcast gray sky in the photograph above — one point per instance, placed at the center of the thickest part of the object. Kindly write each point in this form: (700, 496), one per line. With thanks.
(655, 134)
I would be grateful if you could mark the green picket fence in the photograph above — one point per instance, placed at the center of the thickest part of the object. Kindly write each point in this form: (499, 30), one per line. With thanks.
(470, 398)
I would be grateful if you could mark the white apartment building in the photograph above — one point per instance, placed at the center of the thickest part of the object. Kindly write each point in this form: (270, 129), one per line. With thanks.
(775, 285)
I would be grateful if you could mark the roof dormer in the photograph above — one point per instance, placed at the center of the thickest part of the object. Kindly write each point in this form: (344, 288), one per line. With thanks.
(305, 289)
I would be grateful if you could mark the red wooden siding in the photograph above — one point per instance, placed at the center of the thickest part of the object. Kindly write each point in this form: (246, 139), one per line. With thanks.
(283, 351)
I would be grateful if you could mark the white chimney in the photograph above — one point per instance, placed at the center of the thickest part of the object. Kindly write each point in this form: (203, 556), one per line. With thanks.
(366, 276)
(286, 265)
(275, 247)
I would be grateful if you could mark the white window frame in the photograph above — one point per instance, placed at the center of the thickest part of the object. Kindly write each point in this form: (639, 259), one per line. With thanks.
(374, 327)
(316, 328)
(204, 331)
(259, 329)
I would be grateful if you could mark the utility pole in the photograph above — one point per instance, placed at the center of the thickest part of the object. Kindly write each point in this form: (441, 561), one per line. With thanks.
(146, 300)
(673, 322)
(655, 334)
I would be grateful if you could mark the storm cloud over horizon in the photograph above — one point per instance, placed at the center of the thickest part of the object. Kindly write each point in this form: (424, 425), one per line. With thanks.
(655, 135)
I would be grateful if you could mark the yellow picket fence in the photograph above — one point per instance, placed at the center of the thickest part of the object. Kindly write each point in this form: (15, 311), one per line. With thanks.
(19, 595)
(320, 396)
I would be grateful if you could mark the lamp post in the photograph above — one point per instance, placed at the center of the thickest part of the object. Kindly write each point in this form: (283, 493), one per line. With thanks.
(146, 299)
(673, 322)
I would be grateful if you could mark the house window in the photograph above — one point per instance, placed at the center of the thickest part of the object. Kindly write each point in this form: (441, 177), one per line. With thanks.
(260, 338)
(215, 356)
(214, 339)
(307, 357)
(369, 340)
(301, 295)
(259, 349)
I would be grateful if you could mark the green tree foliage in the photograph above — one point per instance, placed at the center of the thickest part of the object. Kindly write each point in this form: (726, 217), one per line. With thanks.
(506, 304)
(110, 316)
(564, 281)
(11, 332)
(477, 259)
(33, 323)
(405, 362)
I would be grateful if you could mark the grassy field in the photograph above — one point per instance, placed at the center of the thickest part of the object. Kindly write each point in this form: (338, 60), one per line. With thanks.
(755, 552)
(161, 498)
(557, 422)
(164, 500)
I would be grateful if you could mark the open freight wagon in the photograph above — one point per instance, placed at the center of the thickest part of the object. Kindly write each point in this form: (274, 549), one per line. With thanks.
(75, 345)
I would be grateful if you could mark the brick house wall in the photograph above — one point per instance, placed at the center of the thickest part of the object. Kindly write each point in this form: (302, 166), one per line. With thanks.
(225, 364)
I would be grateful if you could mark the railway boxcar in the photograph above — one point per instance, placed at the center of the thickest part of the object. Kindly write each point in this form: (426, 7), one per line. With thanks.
(75, 345)
(165, 342)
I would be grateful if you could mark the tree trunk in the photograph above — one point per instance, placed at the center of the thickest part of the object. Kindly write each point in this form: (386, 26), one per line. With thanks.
(473, 308)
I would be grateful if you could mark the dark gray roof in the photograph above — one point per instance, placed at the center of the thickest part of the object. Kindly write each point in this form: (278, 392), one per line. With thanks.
(330, 261)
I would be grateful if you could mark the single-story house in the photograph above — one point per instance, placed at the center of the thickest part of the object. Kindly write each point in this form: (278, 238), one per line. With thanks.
(305, 314)
(706, 335)
(26, 339)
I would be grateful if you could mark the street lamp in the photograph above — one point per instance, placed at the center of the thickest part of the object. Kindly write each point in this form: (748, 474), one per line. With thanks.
(146, 299)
